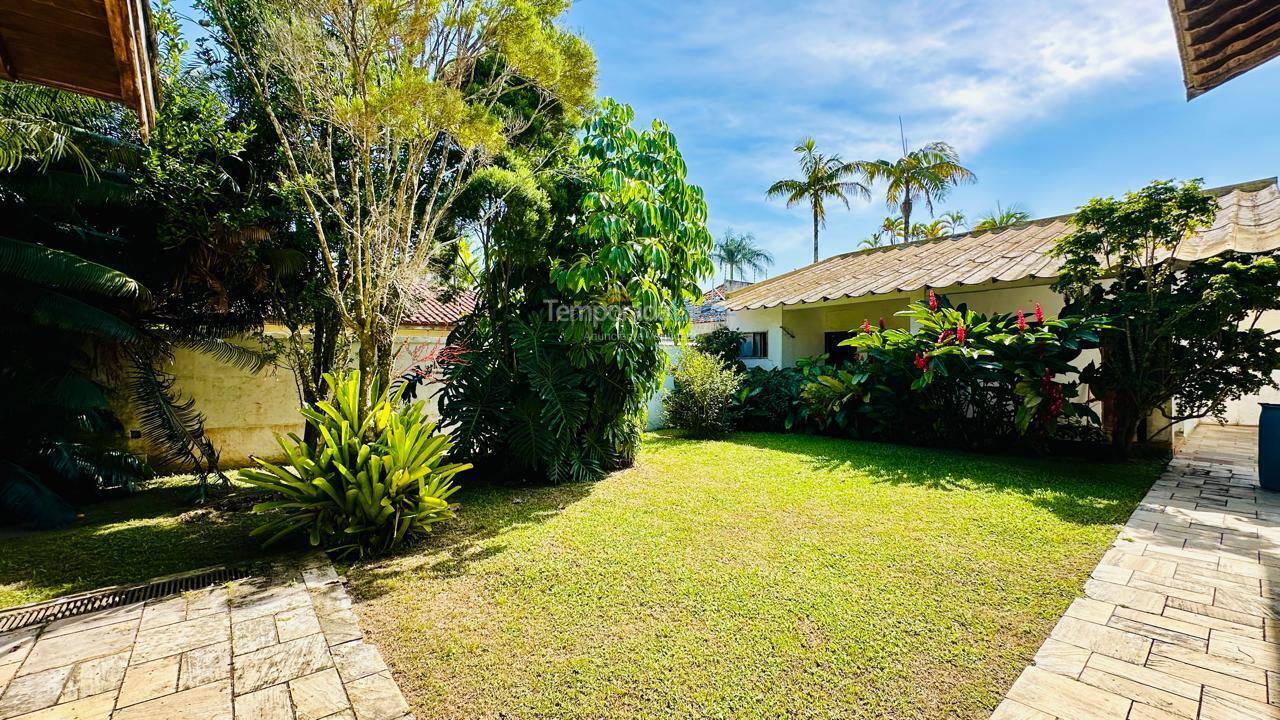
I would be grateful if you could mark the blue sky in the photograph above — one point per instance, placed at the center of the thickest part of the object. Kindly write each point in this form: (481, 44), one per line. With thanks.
(1049, 102)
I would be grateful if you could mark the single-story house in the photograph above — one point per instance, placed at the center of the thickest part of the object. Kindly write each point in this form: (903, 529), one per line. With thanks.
(243, 411)
(808, 311)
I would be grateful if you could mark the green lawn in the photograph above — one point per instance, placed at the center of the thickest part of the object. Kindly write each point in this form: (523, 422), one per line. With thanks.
(127, 540)
(763, 576)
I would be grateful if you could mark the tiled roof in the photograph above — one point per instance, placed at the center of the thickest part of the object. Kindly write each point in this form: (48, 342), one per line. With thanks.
(711, 309)
(1220, 39)
(1248, 221)
(427, 309)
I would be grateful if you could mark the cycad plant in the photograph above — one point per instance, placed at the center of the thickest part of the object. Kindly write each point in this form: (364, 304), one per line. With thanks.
(377, 478)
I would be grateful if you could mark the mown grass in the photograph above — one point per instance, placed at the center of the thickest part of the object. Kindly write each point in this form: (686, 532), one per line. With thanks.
(760, 576)
(128, 539)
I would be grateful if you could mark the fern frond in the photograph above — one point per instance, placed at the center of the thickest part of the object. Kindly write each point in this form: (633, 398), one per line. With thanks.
(228, 353)
(65, 271)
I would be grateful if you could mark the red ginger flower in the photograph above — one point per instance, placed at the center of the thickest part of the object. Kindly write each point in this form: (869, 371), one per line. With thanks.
(1039, 313)
(960, 332)
(1022, 322)
(882, 324)
(921, 362)
(944, 336)
(933, 302)
(866, 326)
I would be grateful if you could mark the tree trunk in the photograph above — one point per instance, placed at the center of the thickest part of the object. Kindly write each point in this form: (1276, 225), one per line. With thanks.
(368, 366)
(815, 232)
(906, 220)
(324, 348)
(1124, 429)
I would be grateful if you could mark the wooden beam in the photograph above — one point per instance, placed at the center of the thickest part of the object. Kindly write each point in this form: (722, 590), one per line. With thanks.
(6, 63)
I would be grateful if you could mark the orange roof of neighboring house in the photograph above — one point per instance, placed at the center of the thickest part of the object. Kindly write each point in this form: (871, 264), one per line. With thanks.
(1248, 221)
(711, 309)
(426, 308)
(1220, 39)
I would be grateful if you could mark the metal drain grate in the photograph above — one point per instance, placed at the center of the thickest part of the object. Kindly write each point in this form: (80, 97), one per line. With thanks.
(116, 597)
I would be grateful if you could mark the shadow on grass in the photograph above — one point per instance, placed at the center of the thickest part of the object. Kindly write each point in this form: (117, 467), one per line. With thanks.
(129, 539)
(487, 512)
(1078, 491)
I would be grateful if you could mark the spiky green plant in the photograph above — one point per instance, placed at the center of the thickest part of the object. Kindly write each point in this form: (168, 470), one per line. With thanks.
(377, 478)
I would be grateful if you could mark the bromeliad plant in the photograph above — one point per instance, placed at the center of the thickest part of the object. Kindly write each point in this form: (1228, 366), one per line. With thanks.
(377, 478)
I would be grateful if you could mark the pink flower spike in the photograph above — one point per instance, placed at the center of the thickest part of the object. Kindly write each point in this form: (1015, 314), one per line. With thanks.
(882, 324)
(866, 326)
(1039, 313)
(1022, 322)
(933, 302)
(960, 334)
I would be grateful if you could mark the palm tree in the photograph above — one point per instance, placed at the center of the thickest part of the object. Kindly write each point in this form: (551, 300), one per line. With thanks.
(823, 177)
(739, 252)
(932, 231)
(925, 174)
(1002, 217)
(954, 221)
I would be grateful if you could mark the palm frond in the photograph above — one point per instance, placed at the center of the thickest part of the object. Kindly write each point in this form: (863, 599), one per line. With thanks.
(53, 309)
(228, 353)
(168, 423)
(65, 271)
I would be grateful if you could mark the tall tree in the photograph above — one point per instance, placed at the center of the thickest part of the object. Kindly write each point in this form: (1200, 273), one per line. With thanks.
(926, 174)
(1002, 217)
(738, 252)
(823, 177)
(954, 221)
(382, 111)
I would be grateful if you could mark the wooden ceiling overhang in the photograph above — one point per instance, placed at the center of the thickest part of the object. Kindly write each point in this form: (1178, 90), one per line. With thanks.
(99, 48)
(1220, 39)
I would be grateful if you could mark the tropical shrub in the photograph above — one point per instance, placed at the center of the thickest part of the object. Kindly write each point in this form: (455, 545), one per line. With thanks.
(704, 399)
(959, 378)
(377, 478)
(773, 400)
(1184, 332)
(723, 343)
(583, 270)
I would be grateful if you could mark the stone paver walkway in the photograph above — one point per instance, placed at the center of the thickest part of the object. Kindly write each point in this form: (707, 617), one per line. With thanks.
(277, 647)
(1181, 619)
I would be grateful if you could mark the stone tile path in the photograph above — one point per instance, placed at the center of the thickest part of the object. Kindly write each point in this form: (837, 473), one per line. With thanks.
(284, 646)
(1181, 619)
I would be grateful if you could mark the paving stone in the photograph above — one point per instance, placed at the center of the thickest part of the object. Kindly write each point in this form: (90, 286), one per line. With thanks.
(1062, 658)
(1100, 638)
(149, 680)
(1219, 613)
(1172, 587)
(181, 637)
(205, 665)
(251, 635)
(94, 677)
(94, 707)
(1246, 604)
(349, 715)
(1222, 665)
(296, 623)
(1051, 693)
(1140, 693)
(272, 703)
(6, 674)
(1093, 611)
(72, 648)
(77, 623)
(318, 695)
(1247, 650)
(1129, 561)
(316, 576)
(15, 645)
(164, 611)
(279, 663)
(36, 691)
(207, 602)
(256, 598)
(1146, 712)
(377, 697)
(340, 627)
(357, 659)
(1219, 705)
(207, 702)
(1164, 622)
(1014, 710)
(1125, 596)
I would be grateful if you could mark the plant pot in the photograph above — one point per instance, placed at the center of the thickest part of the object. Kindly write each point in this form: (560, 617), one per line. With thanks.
(1269, 446)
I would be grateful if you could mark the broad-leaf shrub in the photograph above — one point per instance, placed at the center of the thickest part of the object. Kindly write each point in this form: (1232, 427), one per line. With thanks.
(704, 399)
(958, 377)
(376, 479)
(724, 343)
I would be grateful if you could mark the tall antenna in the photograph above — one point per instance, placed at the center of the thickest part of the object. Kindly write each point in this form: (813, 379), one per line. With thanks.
(903, 133)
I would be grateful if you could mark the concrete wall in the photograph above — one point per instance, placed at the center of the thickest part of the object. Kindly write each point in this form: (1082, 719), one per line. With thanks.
(244, 411)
